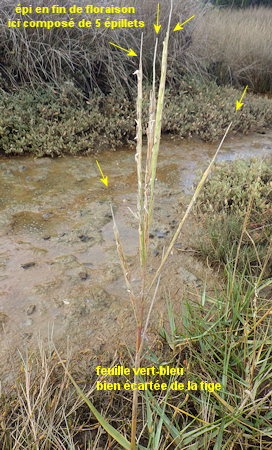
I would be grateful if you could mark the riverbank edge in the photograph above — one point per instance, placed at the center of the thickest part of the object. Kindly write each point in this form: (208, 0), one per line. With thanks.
(47, 122)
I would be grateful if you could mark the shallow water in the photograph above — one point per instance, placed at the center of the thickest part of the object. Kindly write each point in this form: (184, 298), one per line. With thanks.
(58, 259)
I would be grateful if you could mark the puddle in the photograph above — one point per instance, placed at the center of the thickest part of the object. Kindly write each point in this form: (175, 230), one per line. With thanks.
(58, 259)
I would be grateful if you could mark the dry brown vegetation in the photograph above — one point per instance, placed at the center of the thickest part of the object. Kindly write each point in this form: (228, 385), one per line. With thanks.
(235, 46)
(82, 90)
(83, 55)
(232, 46)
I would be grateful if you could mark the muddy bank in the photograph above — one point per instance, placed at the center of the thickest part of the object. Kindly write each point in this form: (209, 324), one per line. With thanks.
(59, 269)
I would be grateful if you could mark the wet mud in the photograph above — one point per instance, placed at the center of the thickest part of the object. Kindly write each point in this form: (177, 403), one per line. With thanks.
(59, 270)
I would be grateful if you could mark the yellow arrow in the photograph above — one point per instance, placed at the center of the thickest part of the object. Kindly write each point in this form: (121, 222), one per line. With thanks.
(240, 104)
(130, 52)
(179, 26)
(157, 26)
(103, 179)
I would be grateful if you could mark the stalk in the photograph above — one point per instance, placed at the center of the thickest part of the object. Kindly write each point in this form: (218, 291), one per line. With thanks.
(139, 158)
(145, 198)
(142, 244)
(158, 122)
(188, 210)
(144, 202)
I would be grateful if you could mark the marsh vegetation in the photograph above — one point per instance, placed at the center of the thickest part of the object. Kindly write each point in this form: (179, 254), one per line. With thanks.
(219, 335)
(82, 94)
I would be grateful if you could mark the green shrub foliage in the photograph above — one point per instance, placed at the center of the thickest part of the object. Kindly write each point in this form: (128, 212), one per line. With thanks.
(238, 195)
(48, 121)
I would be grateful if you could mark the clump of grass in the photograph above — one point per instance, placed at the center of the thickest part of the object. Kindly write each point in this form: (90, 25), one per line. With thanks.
(224, 338)
(207, 47)
(41, 410)
(143, 301)
(235, 46)
(83, 56)
(238, 195)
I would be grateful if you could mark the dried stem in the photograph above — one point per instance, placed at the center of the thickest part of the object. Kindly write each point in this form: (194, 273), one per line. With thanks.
(158, 122)
(188, 210)
(146, 198)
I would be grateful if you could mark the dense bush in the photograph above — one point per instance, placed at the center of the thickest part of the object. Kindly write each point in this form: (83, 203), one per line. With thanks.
(237, 194)
(47, 122)
(205, 110)
(50, 121)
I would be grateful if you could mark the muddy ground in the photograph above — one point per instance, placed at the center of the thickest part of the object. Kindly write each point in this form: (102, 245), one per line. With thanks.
(59, 270)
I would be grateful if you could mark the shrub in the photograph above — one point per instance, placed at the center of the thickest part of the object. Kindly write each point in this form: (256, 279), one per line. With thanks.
(51, 121)
(237, 190)
(232, 184)
(205, 110)
(47, 122)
